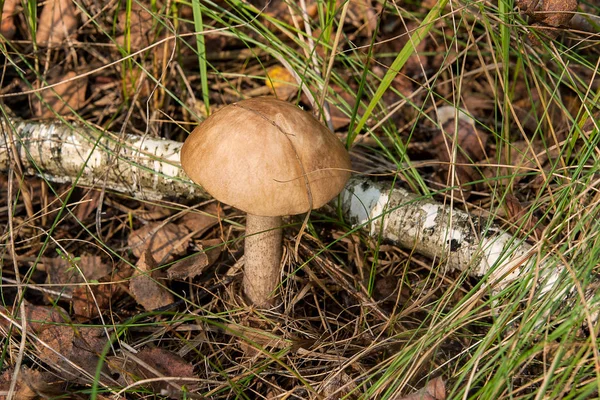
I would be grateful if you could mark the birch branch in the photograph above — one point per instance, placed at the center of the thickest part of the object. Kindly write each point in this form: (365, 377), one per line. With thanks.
(143, 167)
(149, 168)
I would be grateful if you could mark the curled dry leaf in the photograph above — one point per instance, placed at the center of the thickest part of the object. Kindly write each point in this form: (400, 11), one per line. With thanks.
(281, 82)
(31, 384)
(547, 15)
(339, 385)
(152, 212)
(7, 25)
(154, 363)
(163, 240)
(469, 143)
(64, 273)
(520, 220)
(195, 265)
(199, 222)
(140, 23)
(434, 390)
(145, 288)
(548, 12)
(525, 158)
(93, 298)
(39, 317)
(59, 20)
(65, 345)
(62, 98)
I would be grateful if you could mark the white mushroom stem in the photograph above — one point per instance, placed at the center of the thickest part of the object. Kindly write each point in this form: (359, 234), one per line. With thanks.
(262, 252)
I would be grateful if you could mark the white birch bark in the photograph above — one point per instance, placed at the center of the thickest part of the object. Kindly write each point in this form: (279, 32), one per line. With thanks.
(143, 167)
(149, 168)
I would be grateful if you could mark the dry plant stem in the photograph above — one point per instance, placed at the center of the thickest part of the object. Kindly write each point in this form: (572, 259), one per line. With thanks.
(262, 253)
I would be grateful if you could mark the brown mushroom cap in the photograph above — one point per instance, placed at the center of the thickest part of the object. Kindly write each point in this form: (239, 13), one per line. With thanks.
(261, 155)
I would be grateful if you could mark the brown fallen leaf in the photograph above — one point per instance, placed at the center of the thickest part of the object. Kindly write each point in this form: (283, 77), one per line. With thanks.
(91, 300)
(547, 15)
(153, 212)
(164, 240)
(58, 21)
(469, 142)
(199, 222)
(281, 82)
(62, 99)
(525, 158)
(31, 384)
(516, 213)
(71, 351)
(140, 22)
(38, 317)
(195, 265)
(144, 287)
(154, 363)
(87, 205)
(339, 385)
(66, 271)
(434, 390)
(7, 25)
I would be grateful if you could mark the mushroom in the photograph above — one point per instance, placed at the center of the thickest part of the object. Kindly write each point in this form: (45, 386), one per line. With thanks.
(270, 159)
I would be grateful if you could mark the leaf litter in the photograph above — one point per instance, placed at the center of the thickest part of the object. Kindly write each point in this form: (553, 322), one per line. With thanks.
(178, 311)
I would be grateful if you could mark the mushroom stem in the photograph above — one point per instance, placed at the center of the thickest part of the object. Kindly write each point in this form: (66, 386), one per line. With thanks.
(263, 251)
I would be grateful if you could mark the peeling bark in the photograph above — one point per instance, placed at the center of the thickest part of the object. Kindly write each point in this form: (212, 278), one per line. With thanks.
(143, 167)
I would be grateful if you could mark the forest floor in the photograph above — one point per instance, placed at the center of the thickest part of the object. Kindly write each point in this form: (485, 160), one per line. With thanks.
(489, 107)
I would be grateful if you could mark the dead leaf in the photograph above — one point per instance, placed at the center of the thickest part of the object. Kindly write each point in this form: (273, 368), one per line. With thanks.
(153, 212)
(154, 363)
(252, 339)
(22, 390)
(548, 12)
(87, 205)
(31, 384)
(164, 240)
(339, 385)
(62, 98)
(547, 15)
(199, 222)
(91, 300)
(281, 82)
(461, 143)
(516, 213)
(59, 20)
(434, 390)
(144, 287)
(524, 159)
(71, 351)
(195, 265)
(93, 268)
(39, 317)
(66, 271)
(140, 23)
(7, 26)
